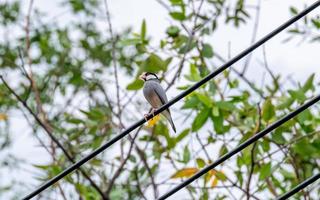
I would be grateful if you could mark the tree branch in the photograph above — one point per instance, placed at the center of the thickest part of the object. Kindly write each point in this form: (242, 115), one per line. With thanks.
(50, 134)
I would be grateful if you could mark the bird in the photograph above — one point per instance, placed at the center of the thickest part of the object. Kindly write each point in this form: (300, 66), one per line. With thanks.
(155, 95)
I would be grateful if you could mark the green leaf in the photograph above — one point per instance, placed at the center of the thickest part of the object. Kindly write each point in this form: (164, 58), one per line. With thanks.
(265, 145)
(207, 51)
(278, 137)
(154, 64)
(309, 84)
(194, 74)
(176, 2)
(135, 85)
(74, 121)
(96, 162)
(204, 99)
(285, 102)
(201, 119)
(186, 154)
(239, 177)
(167, 62)
(200, 162)
(293, 10)
(305, 149)
(44, 167)
(265, 171)
(182, 135)
(305, 117)
(214, 25)
(141, 48)
(218, 124)
(225, 105)
(77, 6)
(223, 150)
(245, 158)
(178, 16)
(246, 136)
(115, 194)
(173, 31)
(94, 114)
(191, 102)
(143, 30)
(130, 42)
(162, 129)
(215, 111)
(298, 95)
(268, 110)
(316, 23)
(187, 47)
(220, 175)
(287, 174)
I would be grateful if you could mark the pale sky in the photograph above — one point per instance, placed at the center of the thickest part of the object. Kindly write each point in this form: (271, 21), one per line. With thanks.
(298, 59)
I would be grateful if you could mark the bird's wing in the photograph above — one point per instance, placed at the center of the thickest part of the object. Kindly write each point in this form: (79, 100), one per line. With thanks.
(161, 93)
(161, 98)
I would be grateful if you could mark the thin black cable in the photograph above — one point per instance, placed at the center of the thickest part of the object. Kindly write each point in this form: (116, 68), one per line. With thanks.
(299, 187)
(173, 101)
(242, 146)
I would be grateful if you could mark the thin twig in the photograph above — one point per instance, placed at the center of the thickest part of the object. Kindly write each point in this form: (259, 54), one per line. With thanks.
(124, 161)
(113, 52)
(115, 67)
(243, 77)
(254, 36)
(138, 185)
(146, 164)
(257, 129)
(191, 37)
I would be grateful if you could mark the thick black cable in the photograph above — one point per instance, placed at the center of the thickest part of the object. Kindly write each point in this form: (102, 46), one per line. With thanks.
(242, 146)
(299, 187)
(173, 101)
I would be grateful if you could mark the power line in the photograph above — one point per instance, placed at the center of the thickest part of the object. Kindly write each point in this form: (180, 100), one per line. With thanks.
(173, 101)
(299, 187)
(242, 146)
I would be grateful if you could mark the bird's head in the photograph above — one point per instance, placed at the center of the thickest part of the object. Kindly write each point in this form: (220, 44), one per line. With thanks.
(145, 76)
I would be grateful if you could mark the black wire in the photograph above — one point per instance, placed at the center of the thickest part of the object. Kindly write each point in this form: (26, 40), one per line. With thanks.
(299, 187)
(173, 101)
(242, 146)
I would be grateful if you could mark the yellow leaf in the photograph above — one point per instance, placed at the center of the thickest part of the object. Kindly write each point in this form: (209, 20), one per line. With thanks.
(3, 117)
(213, 172)
(214, 182)
(209, 175)
(153, 121)
(185, 173)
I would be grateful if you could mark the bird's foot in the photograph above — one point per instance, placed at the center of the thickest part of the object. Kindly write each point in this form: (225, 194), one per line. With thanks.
(145, 116)
(150, 113)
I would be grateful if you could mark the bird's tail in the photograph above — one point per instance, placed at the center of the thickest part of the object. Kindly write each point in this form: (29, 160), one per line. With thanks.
(167, 115)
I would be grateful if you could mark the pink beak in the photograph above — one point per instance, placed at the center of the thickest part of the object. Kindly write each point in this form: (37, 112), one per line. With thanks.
(142, 77)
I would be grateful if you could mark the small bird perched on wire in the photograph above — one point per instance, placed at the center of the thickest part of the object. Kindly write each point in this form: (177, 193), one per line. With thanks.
(155, 95)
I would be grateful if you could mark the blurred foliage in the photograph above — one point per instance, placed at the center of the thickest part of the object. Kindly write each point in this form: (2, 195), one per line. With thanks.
(306, 29)
(72, 63)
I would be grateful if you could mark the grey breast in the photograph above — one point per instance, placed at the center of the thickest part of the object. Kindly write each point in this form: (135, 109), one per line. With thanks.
(154, 93)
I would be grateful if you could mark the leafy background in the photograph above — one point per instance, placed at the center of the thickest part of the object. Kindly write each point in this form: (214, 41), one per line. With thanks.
(69, 83)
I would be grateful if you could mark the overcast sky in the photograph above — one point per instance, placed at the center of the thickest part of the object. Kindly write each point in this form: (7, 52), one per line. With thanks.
(298, 59)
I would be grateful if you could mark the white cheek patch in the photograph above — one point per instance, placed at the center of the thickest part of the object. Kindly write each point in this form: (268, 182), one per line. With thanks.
(150, 76)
